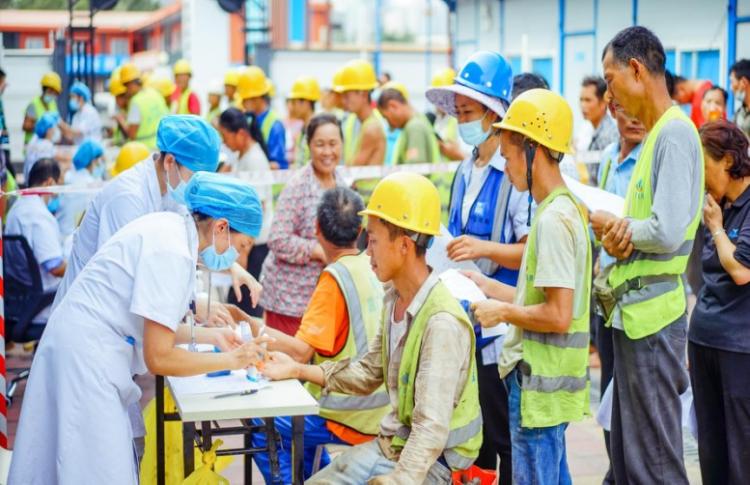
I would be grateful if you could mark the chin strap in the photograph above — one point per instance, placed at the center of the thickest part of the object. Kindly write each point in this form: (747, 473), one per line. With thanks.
(530, 151)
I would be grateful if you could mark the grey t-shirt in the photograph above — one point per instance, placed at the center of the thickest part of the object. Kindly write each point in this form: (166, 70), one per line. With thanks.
(676, 194)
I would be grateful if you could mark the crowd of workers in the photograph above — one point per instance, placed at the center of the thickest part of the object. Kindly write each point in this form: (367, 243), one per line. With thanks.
(400, 368)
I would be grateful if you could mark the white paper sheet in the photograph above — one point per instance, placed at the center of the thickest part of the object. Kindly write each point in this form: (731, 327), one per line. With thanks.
(596, 199)
(496, 331)
(437, 254)
(202, 384)
(461, 287)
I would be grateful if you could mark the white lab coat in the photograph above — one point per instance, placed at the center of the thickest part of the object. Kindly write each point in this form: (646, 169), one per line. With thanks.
(88, 122)
(74, 426)
(30, 218)
(72, 206)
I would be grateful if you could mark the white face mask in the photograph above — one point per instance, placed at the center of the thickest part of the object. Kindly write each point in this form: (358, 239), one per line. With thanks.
(740, 96)
(56, 136)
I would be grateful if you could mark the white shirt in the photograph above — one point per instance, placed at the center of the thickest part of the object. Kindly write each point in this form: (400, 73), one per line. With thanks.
(37, 149)
(476, 181)
(254, 160)
(30, 218)
(130, 195)
(73, 206)
(87, 121)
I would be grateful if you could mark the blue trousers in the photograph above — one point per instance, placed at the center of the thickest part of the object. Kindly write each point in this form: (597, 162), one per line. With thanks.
(316, 433)
(538, 453)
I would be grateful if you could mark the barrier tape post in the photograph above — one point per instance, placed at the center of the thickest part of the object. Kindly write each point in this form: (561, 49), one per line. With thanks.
(3, 378)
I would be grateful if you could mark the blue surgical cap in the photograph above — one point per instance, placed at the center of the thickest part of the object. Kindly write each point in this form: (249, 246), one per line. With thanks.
(45, 122)
(219, 195)
(81, 90)
(87, 153)
(191, 140)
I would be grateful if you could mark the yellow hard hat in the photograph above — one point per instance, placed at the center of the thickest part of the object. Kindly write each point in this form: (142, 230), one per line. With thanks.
(164, 85)
(400, 87)
(182, 67)
(444, 77)
(253, 83)
(116, 87)
(305, 87)
(129, 72)
(232, 78)
(336, 84)
(131, 153)
(357, 75)
(52, 80)
(542, 116)
(407, 200)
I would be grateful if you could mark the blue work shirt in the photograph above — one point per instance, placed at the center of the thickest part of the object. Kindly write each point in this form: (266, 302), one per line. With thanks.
(276, 142)
(617, 181)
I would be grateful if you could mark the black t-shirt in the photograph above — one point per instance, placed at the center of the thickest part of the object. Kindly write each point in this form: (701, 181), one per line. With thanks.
(721, 318)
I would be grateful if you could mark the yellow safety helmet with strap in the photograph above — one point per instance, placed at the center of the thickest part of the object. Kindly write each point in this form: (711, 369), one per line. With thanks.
(231, 78)
(129, 72)
(443, 77)
(357, 75)
(182, 67)
(305, 87)
(116, 87)
(407, 200)
(253, 83)
(130, 154)
(164, 85)
(400, 87)
(337, 83)
(52, 81)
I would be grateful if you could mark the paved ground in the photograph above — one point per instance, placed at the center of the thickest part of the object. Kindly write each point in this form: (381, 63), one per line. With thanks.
(586, 453)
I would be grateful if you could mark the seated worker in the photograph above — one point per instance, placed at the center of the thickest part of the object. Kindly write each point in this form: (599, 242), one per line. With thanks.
(417, 142)
(42, 144)
(88, 169)
(31, 217)
(423, 352)
(342, 316)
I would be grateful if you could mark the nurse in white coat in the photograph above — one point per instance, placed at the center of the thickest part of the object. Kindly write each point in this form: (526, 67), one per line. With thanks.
(88, 170)
(120, 318)
(86, 123)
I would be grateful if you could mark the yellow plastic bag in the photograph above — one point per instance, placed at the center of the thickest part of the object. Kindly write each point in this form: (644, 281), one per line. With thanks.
(173, 461)
(205, 475)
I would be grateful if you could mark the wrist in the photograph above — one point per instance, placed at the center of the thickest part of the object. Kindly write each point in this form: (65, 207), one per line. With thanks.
(716, 232)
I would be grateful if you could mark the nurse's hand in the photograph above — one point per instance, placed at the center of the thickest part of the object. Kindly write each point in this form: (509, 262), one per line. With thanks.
(221, 316)
(241, 277)
(280, 366)
(466, 248)
(250, 353)
(225, 338)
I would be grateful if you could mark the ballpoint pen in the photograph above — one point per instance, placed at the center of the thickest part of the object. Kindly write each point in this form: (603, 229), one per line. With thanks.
(246, 392)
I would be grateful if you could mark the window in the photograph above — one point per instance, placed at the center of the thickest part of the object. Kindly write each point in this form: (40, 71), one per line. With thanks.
(543, 67)
(119, 47)
(671, 59)
(34, 42)
(10, 40)
(515, 64)
(702, 64)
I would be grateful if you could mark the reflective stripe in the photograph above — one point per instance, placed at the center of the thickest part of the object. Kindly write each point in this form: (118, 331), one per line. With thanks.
(649, 292)
(351, 403)
(683, 250)
(576, 340)
(554, 384)
(356, 320)
(456, 461)
(456, 436)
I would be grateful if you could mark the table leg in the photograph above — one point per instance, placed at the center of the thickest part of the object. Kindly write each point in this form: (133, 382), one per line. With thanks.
(188, 455)
(206, 435)
(160, 466)
(298, 450)
(273, 454)
(247, 438)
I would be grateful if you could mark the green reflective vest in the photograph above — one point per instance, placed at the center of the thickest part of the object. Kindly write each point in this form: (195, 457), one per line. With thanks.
(364, 304)
(39, 109)
(180, 106)
(153, 108)
(302, 150)
(655, 295)
(352, 140)
(268, 121)
(398, 155)
(213, 114)
(465, 437)
(555, 381)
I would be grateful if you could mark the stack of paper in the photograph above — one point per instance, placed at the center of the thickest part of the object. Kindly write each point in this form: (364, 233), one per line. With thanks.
(596, 199)
(437, 254)
(202, 384)
(463, 288)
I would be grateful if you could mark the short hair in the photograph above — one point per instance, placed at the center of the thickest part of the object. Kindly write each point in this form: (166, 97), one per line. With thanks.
(395, 231)
(741, 69)
(677, 80)
(600, 85)
(721, 138)
(320, 120)
(338, 216)
(2, 73)
(669, 78)
(526, 81)
(390, 94)
(42, 170)
(722, 91)
(387, 75)
(638, 43)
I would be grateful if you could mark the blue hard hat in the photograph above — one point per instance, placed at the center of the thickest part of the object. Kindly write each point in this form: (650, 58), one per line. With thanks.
(489, 73)
(45, 122)
(191, 140)
(87, 153)
(81, 90)
(219, 195)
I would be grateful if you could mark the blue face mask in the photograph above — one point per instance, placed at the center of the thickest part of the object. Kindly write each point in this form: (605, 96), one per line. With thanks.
(219, 262)
(73, 105)
(176, 193)
(98, 172)
(472, 132)
(53, 205)
(49, 98)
